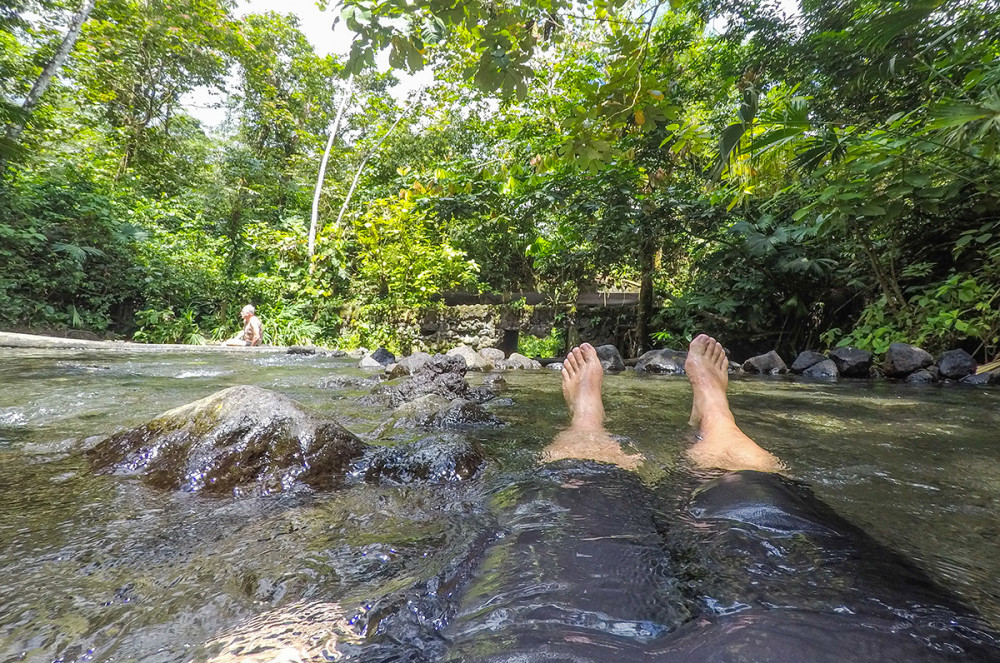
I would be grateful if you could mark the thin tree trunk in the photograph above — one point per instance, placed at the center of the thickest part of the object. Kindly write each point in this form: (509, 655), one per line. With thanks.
(48, 73)
(371, 152)
(322, 170)
(645, 308)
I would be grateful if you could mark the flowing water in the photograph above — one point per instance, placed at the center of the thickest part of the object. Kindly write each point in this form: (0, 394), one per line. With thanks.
(102, 568)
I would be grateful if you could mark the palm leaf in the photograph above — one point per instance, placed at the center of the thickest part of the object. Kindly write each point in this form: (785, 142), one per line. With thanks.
(986, 368)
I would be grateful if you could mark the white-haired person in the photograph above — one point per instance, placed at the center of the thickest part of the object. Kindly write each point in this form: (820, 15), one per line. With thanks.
(252, 333)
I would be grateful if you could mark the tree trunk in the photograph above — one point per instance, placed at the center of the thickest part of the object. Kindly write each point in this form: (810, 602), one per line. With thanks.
(647, 263)
(48, 73)
(322, 171)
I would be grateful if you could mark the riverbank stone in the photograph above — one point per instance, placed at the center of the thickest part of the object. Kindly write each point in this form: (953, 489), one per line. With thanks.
(517, 361)
(473, 360)
(805, 360)
(824, 370)
(611, 359)
(956, 364)
(990, 377)
(242, 440)
(666, 362)
(301, 350)
(369, 362)
(902, 359)
(923, 376)
(383, 357)
(770, 363)
(407, 365)
(852, 362)
(492, 354)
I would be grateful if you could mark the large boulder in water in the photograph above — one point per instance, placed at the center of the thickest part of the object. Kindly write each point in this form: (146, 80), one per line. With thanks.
(823, 370)
(432, 411)
(443, 375)
(473, 360)
(408, 365)
(242, 440)
(902, 359)
(669, 362)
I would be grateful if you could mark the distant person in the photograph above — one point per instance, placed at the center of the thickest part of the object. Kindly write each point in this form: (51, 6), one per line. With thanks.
(252, 333)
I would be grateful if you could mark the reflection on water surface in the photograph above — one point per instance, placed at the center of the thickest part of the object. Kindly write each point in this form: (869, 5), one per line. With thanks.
(101, 568)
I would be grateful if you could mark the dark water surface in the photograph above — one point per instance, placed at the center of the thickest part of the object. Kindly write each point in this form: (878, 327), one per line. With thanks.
(101, 568)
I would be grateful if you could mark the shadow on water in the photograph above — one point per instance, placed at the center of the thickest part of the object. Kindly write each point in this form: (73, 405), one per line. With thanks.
(101, 568)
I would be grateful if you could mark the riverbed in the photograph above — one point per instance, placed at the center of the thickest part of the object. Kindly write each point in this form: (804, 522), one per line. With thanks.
(102, 568)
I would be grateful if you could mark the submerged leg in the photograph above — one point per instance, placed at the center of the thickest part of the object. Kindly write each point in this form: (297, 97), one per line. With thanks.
(586, 437)
(722, 444)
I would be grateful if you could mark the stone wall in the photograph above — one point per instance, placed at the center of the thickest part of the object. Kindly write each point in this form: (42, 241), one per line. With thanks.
(486, 325)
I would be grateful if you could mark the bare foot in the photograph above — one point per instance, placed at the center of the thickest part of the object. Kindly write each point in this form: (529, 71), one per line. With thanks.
(722, 445)
(583, 377)
(586, 438)
(707, 369)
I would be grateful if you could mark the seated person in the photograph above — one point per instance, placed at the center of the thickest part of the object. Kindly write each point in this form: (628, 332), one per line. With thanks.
(252, 333)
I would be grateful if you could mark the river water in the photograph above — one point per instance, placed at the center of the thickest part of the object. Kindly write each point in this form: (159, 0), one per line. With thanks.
(102, 568)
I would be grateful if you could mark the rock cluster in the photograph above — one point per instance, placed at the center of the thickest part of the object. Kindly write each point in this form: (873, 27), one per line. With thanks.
(247, 440)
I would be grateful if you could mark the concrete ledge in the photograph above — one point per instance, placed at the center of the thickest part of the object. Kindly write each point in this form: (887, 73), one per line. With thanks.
(31, 341)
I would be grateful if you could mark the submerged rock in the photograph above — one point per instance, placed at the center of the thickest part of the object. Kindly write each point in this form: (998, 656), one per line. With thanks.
(956, 364)
(669, 362)
(610, 358)
(806, 359)
(301, 350)
(432, 411)
(495, 381)
(852, 362)
(243, 440)
(902, 359)
(433, 460)
(823, 370)
(770, 363)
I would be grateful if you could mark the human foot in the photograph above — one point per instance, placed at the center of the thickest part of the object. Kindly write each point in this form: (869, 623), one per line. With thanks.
(582, 377)
(707, 369)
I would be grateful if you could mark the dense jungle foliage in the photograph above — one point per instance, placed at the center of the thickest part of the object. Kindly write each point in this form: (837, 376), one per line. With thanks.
(805, 179)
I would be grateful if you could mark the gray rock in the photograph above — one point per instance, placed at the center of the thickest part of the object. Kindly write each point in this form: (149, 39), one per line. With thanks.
(555, 366)
(431, 460)
(369, 362)
(443, 375)
(335, 353)
(770, 363)
(990, 377)
(824, 370)
(956, 364)
(921, 376)
(852, 362)
(611, 359)
(239, 441)
(383, 357)
(301, 350)
(492, 354)
(357, 353)
(495, 382)
(348, 382)
(519, 361)
(903, 359)
(473, 360)
(806, 359)
(668, 362)
(408, 365)
(735, 367)
(432, 411)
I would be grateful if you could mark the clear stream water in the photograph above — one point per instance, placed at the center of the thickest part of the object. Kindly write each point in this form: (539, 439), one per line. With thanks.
(102, 568)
